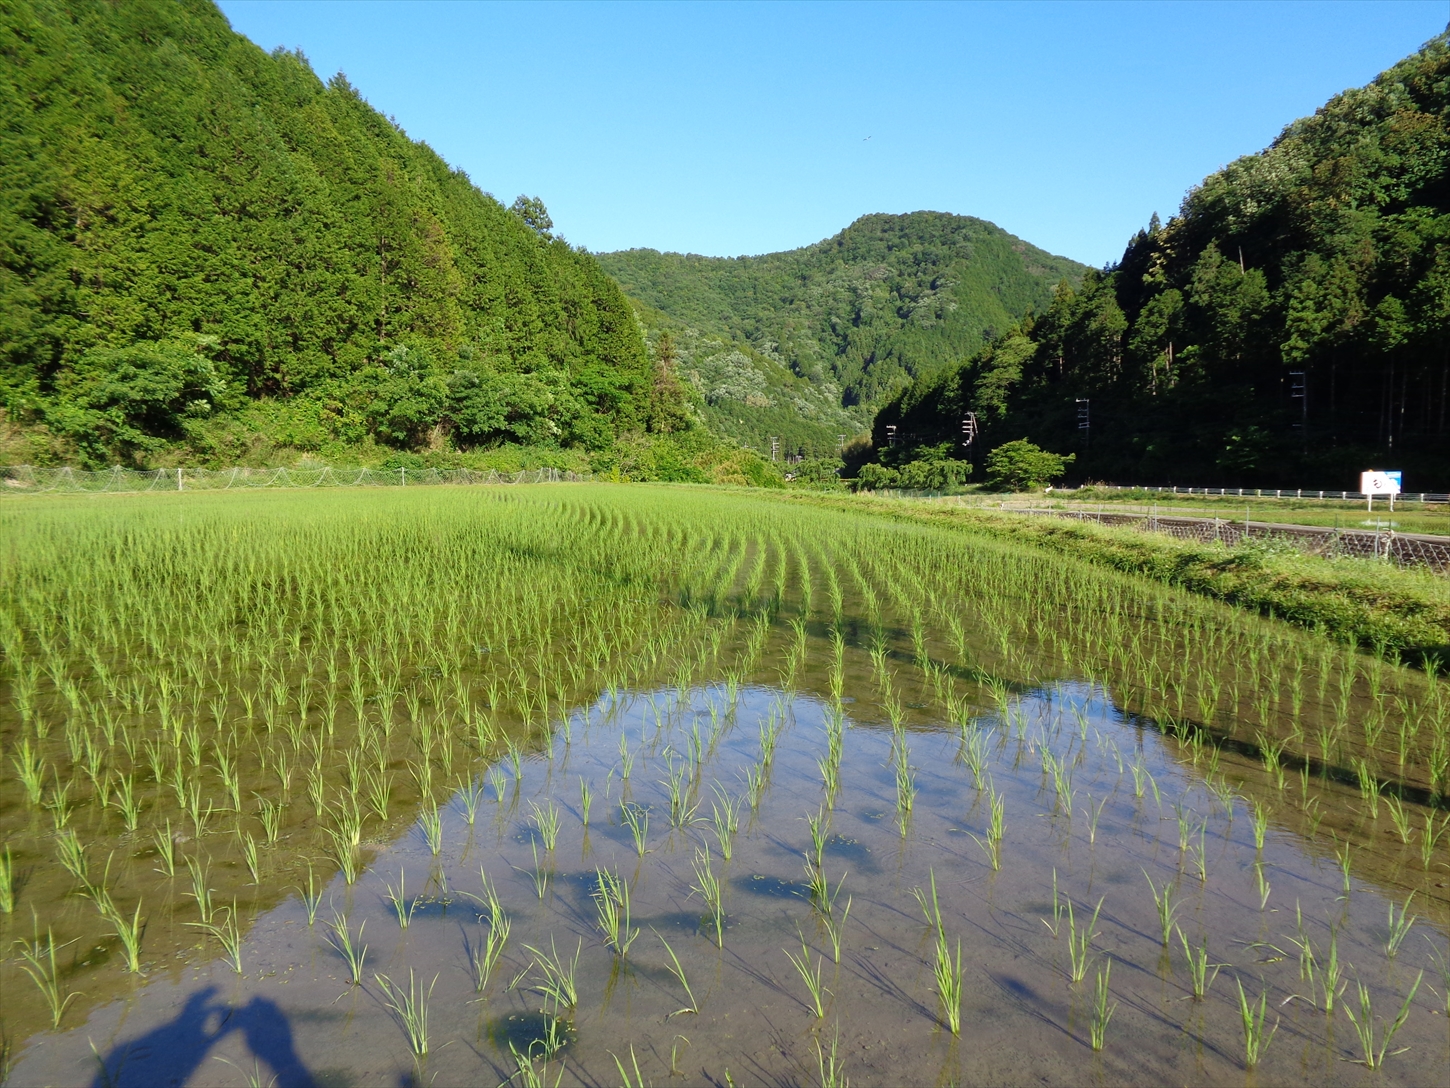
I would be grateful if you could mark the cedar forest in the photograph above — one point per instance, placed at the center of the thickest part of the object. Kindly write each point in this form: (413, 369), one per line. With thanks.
(209, 255)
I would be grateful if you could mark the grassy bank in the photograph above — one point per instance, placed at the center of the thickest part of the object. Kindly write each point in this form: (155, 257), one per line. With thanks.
(1402, 614)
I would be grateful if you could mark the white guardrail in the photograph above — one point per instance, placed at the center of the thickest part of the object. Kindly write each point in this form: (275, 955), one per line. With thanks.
(1279, 493)
(30, 480)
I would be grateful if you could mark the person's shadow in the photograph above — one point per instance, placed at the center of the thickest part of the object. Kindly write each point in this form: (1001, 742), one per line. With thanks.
(172, 1053)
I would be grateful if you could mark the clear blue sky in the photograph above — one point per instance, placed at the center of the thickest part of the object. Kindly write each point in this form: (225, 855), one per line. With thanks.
(743, 128)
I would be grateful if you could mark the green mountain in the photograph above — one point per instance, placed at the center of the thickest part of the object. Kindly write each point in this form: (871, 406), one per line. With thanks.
(857, 316)
(204, 248)
(1289, 327)
(751, 397)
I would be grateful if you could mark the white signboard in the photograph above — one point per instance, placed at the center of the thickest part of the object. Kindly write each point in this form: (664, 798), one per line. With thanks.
(1379, 483)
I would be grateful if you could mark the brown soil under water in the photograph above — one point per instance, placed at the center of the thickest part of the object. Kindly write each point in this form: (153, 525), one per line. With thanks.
(292, 1017)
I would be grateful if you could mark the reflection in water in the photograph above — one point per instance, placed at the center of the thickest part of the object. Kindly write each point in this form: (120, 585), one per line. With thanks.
(1091, 802)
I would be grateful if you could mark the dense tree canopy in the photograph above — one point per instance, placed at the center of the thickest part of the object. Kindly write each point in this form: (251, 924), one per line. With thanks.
(191, 227)
(860, 314)
(1289, 327)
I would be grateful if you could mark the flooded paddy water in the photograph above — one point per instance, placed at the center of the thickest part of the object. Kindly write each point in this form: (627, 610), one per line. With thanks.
(592, 785)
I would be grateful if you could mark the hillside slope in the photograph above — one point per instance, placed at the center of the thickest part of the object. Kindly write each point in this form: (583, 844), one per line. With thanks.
(1289, 327)
(201, 243)
(858, 315)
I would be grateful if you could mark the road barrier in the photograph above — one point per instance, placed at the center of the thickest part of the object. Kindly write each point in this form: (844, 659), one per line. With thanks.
(29, 480)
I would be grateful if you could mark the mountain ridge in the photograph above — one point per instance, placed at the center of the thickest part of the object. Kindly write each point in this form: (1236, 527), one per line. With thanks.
(887, 298)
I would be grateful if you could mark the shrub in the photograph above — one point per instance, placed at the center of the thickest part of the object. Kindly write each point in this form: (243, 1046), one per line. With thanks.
(1021, 466)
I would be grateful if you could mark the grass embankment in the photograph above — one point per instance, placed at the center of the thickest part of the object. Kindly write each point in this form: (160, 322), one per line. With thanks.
(1401, 613)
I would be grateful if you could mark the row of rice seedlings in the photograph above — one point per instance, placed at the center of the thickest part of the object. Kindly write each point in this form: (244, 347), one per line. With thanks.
(531, 695)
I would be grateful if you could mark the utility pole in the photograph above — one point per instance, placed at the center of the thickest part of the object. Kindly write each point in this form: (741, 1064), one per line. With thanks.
(969, 430)
(891, 434)
(1084, 421)
(1299, 390)
(774, 447)
(840, 443)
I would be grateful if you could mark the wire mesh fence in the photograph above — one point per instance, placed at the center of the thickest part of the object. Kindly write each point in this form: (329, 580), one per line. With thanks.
(1404, 549)
(30, 480)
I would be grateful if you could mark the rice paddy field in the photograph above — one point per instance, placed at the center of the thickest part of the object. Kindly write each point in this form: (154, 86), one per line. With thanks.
(589, 784)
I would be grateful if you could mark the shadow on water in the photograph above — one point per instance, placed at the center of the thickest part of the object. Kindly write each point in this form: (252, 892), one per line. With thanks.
(173, 1052)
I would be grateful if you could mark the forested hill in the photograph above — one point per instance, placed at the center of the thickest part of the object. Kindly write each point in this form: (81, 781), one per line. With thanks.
(198, 239)
(1290, 326)
(889, 298)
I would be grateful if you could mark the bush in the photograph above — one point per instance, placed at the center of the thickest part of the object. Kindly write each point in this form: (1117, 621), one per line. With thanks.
(1022, 466)
(920, 475)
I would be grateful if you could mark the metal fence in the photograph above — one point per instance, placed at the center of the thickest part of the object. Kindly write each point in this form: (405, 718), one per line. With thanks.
(1405, 549)
(28, 480)
(1279, 493)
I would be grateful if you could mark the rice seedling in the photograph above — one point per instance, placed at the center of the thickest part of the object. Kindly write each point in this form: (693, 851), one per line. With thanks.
(431, 821)
(227, 934)
(1199, 976)
(996, 828)
(410, 1006)
(1253, 1020)
(811, 977)
(1262, 883)
(344, 853)
(586, 798)
(483, 960)
(1078, 942)
(546, 820)
(353, 953)
(557, 983)
(1442, 968)
(200, 892)
(830, 1066)
(635, 1081)
(1364, 1027)
(72, 854)
(1055, 926)
(725, 821)
(1400, 817)
(311, 898)
(637, 818)
(1399, 926)
(820, 825)
(165, 849)
(471, 792)
(1093, 815)
(127, 803)
(250, 856)
(707, 886)
(679, 972)
(7, 881)
(611, 901)
(1430, 838)
(397, 898)
(755, 779)
(38, 961)
(1166, 908)
(835, 924)
(1102, 1011)
(948, 973)
(1331, 975)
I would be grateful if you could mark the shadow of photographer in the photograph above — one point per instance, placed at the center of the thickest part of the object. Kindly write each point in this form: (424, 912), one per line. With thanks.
(172, 1053)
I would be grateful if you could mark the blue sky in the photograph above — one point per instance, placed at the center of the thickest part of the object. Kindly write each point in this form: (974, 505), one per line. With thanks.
(746, 128)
